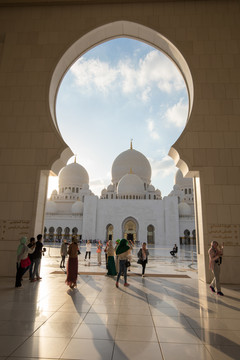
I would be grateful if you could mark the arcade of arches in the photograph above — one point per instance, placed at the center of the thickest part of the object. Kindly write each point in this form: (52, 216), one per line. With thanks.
(36, 51)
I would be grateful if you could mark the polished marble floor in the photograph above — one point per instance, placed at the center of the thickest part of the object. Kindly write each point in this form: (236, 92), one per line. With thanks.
(155, 318)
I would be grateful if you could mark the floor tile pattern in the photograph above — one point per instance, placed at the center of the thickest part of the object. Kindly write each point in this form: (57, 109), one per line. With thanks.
(155, 318)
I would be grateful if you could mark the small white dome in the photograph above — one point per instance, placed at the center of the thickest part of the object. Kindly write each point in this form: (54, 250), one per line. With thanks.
(54, 192)
(67, 191)
(51, 207)
(73, 175)
(104, 191)
(181, 181)
(184, 209)
(110, 188)
(131, 184)
(77, 207)
(151, 188)
(158, 192)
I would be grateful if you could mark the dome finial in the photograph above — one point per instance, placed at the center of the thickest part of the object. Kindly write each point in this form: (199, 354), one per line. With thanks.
(131, 172)
(75, 158)
(131, 144)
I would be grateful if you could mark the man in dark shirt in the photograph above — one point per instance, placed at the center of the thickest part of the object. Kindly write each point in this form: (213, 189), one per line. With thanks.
(37, 256)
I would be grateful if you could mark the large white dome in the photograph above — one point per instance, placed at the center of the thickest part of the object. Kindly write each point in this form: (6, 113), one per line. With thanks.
(73, 175)
(130, 184)
(131, 160)
(181, 181)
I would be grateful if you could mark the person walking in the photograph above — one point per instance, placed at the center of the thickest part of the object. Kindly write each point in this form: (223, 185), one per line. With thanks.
(30, 255)
(37, 257)
(117, 261)
(143, 257)
(111, 263)
(215, 260)
(88, 250)
(72, 265)
(23, 261)
(63, 252)
(99, 253)
(122, 252)
(105, 251)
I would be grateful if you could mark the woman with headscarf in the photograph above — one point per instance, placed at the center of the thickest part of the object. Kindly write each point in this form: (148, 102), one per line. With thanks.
(122, 253)
(143, 257)
(23, 261)
(72, 265)
(111, 263)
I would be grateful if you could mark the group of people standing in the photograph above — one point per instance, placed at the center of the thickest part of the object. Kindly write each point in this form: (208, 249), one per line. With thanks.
(118, 267)
(29, 258)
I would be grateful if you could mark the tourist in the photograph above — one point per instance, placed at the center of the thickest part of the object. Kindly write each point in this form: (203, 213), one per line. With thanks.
(111, 263)
(31, 244)
(106, 256)
(37, 256)
(23, 261)
(117, 261)
(72, 265)
(63, 252)
(143, 257)
(122, 252)
(174, 250)
(88, 250)
(215, 260)
(99, 253)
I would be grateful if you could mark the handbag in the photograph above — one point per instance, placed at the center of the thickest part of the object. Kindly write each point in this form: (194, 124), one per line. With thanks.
(127, 263)
(140, 261)
(25, 262)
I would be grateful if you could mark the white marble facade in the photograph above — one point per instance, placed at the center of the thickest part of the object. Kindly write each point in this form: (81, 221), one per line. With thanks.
(129, 207)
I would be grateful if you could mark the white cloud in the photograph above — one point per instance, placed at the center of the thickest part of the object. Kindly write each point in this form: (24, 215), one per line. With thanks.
(155, 69)
(151, 129)
(177, 114)
(94, 72)
(163, 168)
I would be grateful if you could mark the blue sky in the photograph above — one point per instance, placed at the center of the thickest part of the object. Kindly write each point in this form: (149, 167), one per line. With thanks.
(120, 90)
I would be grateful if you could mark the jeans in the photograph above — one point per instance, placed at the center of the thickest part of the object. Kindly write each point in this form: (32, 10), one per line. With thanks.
(216, 279)
(144, 263)
(36, 268)
(89, 254)
(122, 269)
(62, 263)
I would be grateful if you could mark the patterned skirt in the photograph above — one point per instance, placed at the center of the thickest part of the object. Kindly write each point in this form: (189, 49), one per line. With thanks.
(72, 271)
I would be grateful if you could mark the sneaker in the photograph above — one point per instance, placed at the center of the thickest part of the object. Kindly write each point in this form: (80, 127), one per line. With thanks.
(212, 288)
(126, 284)
(220, 293)
(143, 275)
(116, 284)
(39, 278)
(33, 280)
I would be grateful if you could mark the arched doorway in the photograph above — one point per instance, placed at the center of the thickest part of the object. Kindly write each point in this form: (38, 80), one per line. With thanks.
(109, 232)
(150, 234)
(59, 234)
(67, 233)
(130, 230)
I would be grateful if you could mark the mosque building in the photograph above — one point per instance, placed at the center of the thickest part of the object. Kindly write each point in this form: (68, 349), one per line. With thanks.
(129, 207)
